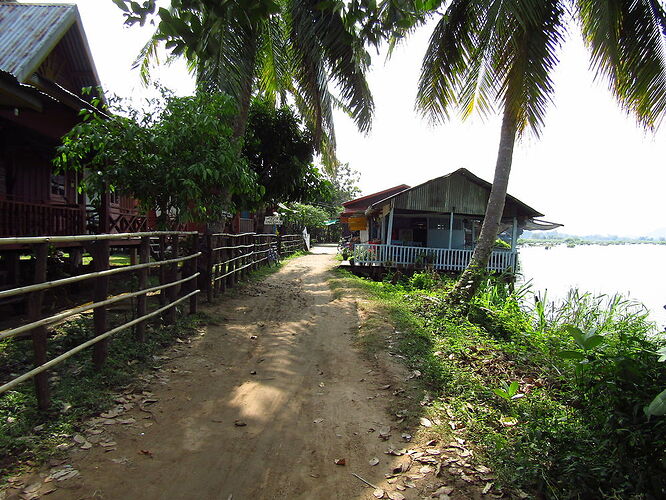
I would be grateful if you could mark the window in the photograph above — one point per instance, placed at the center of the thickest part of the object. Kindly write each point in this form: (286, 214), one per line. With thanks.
(58, 185)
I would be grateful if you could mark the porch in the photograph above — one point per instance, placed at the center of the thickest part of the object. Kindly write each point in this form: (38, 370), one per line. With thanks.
(444, 259)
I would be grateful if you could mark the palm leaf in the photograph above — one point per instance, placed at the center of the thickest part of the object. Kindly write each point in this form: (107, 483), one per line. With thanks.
(627, 42)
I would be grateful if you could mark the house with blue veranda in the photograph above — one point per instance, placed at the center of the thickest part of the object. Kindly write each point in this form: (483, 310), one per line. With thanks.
(437, 223)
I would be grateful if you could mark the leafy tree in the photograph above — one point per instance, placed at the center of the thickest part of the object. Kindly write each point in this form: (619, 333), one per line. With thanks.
(179, 159)
(485, 54)
(345, 184)
(276, 48)
(281, 152)
(300, 215)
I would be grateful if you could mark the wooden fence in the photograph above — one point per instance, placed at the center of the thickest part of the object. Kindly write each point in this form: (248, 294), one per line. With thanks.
(184, 262)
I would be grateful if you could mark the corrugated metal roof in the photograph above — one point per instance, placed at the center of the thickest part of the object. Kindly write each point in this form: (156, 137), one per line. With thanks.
(28, 33)
(460, 192)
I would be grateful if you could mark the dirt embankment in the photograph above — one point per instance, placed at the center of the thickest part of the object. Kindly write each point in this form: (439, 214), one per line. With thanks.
(261, 406)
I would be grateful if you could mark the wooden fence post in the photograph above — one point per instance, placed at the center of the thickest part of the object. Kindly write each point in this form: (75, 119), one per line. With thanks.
(171, 276)
(100, 293)
(194, 248)
(160, 270)
(209, 274)
(279, 246)
(224, 256)
(232, 264)
(39, 334)
(142, 300)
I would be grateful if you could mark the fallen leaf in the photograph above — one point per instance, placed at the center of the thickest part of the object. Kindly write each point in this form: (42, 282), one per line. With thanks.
(47, 490)
(107, 444)
(396, 495)
(385, 387)
(407, 437)
(340, 461)
(444, 490)
(146, 452)
(384, 433)
(400, 487)
(378, 493)
(86, 446)
(239, 423)
(425, 422)
(487, 488)
(318, 421)
(393, 452)
(373, 461)
(79, 439)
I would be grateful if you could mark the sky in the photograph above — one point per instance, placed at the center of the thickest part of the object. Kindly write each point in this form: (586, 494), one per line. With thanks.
(593, 169)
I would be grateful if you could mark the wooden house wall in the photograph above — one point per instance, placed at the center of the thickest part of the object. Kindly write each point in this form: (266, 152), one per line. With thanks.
(453, 193)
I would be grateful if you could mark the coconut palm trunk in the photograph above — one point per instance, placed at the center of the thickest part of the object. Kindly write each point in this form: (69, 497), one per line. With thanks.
(469, 282)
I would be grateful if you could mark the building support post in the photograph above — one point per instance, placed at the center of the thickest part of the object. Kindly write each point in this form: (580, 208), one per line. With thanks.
(389, 230)
(451, 231)
(514, 234)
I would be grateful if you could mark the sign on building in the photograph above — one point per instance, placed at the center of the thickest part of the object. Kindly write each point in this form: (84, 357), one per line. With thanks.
(272, 220)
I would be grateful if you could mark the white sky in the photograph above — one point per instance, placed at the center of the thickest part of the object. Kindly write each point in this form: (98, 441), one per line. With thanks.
(592, 170)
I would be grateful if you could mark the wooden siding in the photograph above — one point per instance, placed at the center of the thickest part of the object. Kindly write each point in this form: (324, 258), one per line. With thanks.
(452, 193)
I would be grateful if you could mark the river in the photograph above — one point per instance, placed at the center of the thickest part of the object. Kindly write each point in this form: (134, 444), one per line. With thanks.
(635, 271)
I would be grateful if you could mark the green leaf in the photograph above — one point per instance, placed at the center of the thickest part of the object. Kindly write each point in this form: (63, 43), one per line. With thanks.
(593, 341)
(657, 407)
(568, 354)
(501, 394)
(662, 354)
(121, 5)
(513, 388)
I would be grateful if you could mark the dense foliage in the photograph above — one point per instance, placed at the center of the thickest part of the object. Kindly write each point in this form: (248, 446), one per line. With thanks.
(298, 48)
(178, 158)
(299, 216)
(280, 151)
(556, 394)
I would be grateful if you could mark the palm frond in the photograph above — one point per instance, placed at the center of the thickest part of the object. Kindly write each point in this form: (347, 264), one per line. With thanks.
(627, 42)
(274, 63)
(533, 54)
(346, 60)
(147, 58)
(485, 52)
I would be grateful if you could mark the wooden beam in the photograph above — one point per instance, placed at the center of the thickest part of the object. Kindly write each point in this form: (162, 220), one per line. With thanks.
(389, 230)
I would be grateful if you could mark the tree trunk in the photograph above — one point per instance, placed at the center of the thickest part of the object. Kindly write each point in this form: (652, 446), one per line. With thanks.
(469, 281)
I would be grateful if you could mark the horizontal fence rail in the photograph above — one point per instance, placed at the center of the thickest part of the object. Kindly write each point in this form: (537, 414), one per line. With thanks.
(185, 263)
(444, 259)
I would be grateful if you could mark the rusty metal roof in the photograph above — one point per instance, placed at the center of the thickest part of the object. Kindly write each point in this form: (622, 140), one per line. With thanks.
(29, 32)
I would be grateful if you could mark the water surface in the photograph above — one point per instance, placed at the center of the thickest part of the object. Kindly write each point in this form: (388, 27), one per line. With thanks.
(636, 271)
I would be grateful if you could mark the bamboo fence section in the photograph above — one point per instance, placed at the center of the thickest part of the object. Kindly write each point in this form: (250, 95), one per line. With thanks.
(185, 263)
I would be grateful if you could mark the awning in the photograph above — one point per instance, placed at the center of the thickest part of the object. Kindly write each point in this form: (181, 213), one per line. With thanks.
(540, 225)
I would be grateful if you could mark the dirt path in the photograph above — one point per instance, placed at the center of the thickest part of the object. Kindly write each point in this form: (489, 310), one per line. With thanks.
(281, 361)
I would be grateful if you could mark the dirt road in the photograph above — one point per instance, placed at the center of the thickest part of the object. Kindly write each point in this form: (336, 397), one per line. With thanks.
(260, 407)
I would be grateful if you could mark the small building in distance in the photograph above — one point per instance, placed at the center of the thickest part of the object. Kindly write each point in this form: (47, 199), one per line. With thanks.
(354, 217)
(437, 224)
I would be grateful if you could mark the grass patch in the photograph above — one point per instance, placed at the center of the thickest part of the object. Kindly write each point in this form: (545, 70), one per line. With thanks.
(575, 426)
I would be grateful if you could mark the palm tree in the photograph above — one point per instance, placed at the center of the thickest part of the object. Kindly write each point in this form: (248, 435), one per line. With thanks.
(277, 48)
(489, 53)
